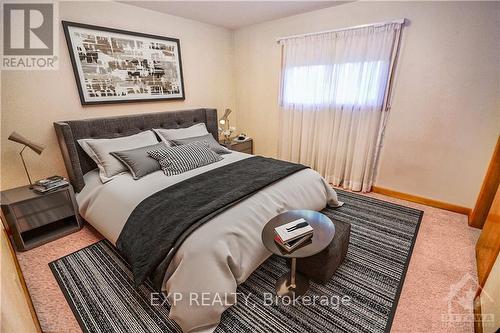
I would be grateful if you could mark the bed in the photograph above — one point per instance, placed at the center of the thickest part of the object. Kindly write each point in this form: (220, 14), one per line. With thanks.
(217, 256)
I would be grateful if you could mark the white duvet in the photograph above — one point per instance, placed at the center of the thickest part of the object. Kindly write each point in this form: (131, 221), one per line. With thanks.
(220, 254)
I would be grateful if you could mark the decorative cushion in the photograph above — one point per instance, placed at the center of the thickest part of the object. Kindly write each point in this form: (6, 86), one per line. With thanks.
(208, 138)
(181, 133)
(99, 150)
(138, 161)
(179, 159)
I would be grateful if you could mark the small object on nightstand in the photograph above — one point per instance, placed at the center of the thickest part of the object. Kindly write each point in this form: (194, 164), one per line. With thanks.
(242, 138)
(34, 219)
(49, 184)
(243, 147)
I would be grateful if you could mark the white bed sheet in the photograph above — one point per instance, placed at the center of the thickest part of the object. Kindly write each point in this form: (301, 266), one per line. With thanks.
(220, 254)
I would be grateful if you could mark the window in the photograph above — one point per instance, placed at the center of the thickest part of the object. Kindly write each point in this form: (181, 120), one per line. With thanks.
(351, 83)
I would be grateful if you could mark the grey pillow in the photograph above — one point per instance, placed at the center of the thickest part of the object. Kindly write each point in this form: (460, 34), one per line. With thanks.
(138, 160)
(181, 133)
(208, 139)
(99, 150)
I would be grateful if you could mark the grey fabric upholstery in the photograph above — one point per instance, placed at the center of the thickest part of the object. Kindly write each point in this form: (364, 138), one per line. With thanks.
(78, 163)
(321, 266)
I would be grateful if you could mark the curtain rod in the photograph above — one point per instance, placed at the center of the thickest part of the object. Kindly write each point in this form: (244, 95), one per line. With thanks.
(400, 21)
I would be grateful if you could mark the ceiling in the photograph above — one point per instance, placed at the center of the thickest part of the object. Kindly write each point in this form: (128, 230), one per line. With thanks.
(233, 14)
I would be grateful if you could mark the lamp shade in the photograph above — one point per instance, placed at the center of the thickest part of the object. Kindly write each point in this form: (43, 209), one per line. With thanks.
(16, 137)
(226, 114)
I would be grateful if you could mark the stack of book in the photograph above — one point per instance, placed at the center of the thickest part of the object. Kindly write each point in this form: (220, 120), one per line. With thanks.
(293, 235)
(50, 184)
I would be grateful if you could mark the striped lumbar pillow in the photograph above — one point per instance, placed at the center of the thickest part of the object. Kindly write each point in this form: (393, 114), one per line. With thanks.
(179, 159)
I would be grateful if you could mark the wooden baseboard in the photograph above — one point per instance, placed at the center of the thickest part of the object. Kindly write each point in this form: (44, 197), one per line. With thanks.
(422, 200)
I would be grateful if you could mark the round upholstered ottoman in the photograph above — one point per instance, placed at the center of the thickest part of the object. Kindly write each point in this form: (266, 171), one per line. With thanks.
(321, 266)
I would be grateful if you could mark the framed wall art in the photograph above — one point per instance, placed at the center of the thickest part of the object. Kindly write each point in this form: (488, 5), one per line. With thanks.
(118, 66)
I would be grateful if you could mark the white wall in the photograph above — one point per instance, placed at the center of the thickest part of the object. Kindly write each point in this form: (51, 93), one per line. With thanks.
(446, 114)
(33, 100)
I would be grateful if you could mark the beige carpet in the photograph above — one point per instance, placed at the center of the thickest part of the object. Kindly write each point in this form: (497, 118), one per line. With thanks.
(443, 256)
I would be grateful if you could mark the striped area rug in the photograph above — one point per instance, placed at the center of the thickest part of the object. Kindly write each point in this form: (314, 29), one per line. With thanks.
(98, 285)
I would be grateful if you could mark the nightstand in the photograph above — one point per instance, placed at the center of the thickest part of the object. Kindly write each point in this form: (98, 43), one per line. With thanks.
(34, 219)
(243, 147)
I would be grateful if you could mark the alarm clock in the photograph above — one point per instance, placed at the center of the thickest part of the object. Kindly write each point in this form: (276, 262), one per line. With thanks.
(241, 138)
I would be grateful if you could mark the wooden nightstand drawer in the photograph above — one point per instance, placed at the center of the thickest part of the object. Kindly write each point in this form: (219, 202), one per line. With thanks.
(42, 204)
(247, 145)
(29, 222)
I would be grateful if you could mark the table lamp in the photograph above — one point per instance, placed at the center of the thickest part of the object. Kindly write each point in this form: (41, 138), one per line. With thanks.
(225, 118)
(224, 121)
(37, 148)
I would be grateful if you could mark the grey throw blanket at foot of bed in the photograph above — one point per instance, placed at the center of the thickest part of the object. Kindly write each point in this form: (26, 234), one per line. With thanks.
(159, 224)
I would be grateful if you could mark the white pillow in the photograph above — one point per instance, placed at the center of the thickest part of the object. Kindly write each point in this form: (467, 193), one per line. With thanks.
(99, 150)
(181, 133)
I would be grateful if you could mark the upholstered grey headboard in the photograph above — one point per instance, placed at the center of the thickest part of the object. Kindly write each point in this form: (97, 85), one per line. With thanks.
(78, 162)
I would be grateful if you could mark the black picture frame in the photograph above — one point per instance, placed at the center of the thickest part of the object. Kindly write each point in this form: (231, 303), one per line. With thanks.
(66, 27)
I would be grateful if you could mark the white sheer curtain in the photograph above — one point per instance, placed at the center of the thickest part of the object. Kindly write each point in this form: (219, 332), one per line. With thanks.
(333, 98)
